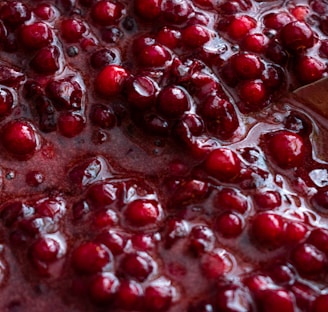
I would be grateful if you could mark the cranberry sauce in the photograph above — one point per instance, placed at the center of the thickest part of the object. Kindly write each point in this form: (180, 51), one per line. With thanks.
(153, 160)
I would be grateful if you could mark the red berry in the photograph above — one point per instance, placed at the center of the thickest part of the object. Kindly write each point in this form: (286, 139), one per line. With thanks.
(138, 266)
(216, 264)
(231, 199)
(148, 9)
(308, 260)
(45, 249)
(141, 92)
(70, 124)
(6, 101)
(267, 200)
(297, 35)
(277, 20)
(268, 229)
(129, 295)
(321, 303)
(240, 26)
(72, 29)
(173, 101)
(247, 66)
(223, 164)
(104, 287)
(107, 12)
(110, 80)
(142, 212)
(253, 93)
(35, 36)
(195, 36)
(46, 60)
(309, 69)
(277, 300)
(19, 138)
(229, 224)
(158, 297)
(286, 148)
(91, 258)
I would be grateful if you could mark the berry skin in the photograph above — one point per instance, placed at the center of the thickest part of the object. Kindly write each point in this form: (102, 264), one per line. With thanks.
(148, 9)
(91, 258)
(268, 229)
(297, 35)
(223, 164)
(240, 26)
(286, 149)
(142, 212)
(110, 80)
(195, 36)
(20, 139)
(107, 12)
(173, 101)
(104, 287)
(308, 260)
(35, 36)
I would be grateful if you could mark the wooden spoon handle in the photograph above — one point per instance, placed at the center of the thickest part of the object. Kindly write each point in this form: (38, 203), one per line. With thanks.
(315, 95)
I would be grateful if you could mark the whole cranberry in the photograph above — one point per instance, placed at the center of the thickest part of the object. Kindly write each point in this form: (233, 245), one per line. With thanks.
(45, 249)
(141, 92)
(297, 35)
(247, 65)
(103, 288)
(103, 116)
(173, 101)
(215, 264)
(309, 69)
(148, 9)
(308, 260)
(20, 138)
(320, 304)
(153, 55)
(286, 148)
(6, 101)
(113, 240)
(176, 11)
(70, 124)
(277, 20)
(110, 80)
(46, 60)
(36, 35)
(158, 297)
(253, 93)
(240, 26)
(72, 29)
(129, 295)
(231, 199)
(267, 199)
(14, 13)
(138, 266)
(169, 37)
(223, 164)
(195, 36)
(277, 300)
(91, 258)
(107, 12)
(142, 212)
(268, 229)
(229, 224)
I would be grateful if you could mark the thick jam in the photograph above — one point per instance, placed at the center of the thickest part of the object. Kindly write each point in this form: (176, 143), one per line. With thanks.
(153, 158)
